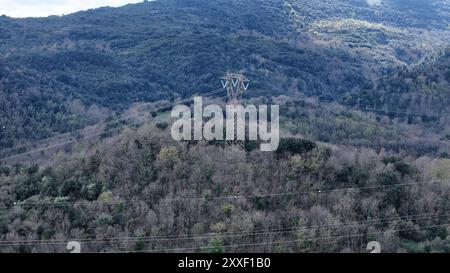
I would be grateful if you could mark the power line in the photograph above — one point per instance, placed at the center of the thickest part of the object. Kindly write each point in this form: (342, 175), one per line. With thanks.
(378, 110)
(288, 241)
(229, 197)
(87, 137)
(423, 216)
(68, 134)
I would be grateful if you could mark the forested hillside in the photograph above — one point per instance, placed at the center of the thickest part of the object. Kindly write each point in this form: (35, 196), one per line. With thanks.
(166, 49)
(32, 106)
(363, 89)
(113, 57)
(422, 91)
(161, 49)
(142, 191)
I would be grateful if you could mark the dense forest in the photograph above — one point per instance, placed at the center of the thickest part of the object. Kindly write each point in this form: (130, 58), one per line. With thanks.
(363, 87)
(141, 191)
(158, 50)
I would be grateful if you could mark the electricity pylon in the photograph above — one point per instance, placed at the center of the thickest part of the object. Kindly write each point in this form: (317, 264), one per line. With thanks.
(236, 84)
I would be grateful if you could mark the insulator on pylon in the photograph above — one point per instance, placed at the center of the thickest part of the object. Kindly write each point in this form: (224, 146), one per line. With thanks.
(224, 83)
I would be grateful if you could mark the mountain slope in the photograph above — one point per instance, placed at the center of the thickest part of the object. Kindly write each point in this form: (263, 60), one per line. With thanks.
(156, 50)
(162, 50)
(32, 106)
(114, 57)
(389, 32)
(339, 172)
(422, 90)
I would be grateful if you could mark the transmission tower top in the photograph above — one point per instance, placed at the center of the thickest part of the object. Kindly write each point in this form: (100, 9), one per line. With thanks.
(236, 84)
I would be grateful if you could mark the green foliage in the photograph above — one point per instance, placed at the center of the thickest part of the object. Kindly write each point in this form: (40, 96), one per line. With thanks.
(91, 191)
(415, 95)
(295, 146)
(399, 165)
(162, 126)
(139, 245)
(71, 187)
(261, 203)
(228, 209)
(215, 246)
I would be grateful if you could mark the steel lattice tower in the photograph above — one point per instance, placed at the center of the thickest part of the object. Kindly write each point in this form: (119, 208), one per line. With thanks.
(236, 84)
